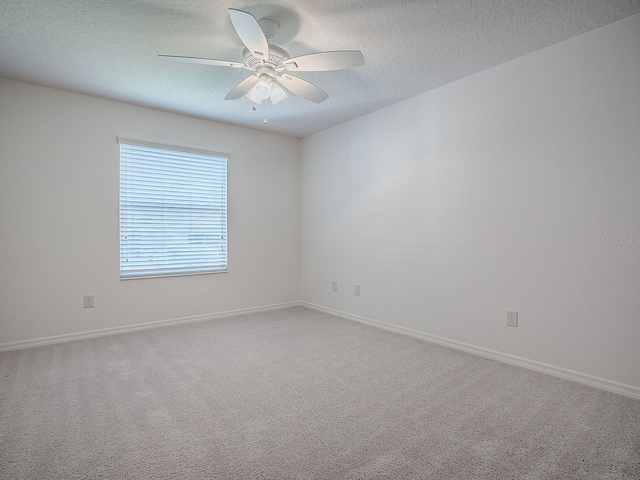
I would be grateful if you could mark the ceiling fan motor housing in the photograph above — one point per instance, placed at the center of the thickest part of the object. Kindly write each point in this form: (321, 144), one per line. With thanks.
(277, 56)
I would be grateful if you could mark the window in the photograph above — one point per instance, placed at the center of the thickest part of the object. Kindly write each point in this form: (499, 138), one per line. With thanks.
(173, 211)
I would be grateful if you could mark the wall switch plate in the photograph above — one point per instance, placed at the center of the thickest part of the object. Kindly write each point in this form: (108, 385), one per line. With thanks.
(334, 286)
(512, 318)
(88, 301)
(356, 290)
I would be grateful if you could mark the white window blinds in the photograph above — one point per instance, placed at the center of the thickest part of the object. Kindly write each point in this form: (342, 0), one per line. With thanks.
(173, 210)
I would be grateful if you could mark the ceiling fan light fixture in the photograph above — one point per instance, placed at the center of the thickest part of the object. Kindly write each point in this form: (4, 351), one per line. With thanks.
(277, 94)
(261, 90)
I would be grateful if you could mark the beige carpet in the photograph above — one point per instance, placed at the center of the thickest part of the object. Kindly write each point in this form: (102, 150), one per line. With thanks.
(298, 394)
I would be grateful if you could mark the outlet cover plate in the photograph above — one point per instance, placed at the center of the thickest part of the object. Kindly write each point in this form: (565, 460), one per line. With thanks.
(88, 301)
(512, 318)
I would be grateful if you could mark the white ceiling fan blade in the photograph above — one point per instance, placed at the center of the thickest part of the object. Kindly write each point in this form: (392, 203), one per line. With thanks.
(242, 88)
(323, 61)
(250, 33)
(302, 88)
(203, 61)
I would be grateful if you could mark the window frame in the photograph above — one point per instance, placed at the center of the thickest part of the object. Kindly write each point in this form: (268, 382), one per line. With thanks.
(219, 207)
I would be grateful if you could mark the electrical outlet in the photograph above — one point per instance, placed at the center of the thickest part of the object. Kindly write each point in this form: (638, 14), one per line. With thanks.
(88, 301)
(512, 318)
(356, 290)
(334, 286)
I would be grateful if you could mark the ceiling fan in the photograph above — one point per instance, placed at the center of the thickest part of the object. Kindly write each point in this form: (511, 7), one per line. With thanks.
(272, 65)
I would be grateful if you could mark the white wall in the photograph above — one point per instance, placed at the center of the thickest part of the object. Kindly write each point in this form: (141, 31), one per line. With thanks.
(492, 193)
(488, 194)
(59, 167)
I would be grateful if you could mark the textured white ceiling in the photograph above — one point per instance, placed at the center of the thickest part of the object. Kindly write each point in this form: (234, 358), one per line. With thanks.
(109, 48)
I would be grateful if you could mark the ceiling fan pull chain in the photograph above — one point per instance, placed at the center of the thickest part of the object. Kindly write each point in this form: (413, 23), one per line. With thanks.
(264, 111)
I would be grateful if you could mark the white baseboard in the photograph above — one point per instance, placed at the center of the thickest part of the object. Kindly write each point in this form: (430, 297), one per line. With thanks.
(103, 332)
(584, 378)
